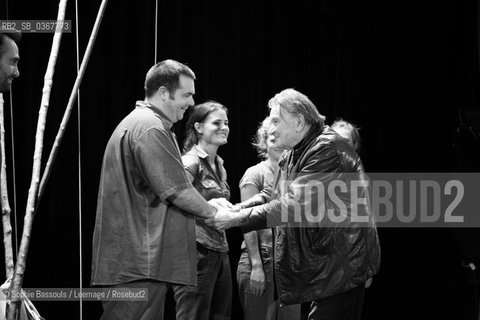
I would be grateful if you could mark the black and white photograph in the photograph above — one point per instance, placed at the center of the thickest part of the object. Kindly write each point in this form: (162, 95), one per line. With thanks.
(240, 160)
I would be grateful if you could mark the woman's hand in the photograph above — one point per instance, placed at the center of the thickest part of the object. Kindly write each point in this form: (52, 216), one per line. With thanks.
(257, 281)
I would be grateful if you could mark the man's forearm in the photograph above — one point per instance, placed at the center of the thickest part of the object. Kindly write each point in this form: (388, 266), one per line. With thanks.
(261, 217)
(191, 201)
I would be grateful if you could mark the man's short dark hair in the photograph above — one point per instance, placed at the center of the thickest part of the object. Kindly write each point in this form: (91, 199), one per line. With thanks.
(167, 74)
(15, 36)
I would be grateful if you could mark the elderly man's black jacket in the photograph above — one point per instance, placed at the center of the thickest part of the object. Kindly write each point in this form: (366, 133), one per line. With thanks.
(315, 259)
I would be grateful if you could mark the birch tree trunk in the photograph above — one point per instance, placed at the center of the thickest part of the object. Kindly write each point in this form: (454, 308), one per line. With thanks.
(7, 226)
(71, 100)
(12, 309)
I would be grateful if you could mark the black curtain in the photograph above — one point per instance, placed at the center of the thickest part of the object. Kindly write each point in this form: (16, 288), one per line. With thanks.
(399, 69)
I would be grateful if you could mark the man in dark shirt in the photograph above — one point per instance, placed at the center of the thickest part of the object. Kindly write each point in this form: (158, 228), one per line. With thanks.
(145, 225)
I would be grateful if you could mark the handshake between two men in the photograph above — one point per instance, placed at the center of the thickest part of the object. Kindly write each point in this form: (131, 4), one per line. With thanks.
(227, 215)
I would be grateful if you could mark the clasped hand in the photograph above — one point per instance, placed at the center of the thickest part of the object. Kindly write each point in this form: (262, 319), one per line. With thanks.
(226, 216)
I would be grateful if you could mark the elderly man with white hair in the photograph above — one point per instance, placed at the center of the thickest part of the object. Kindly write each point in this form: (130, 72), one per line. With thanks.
(326, 261)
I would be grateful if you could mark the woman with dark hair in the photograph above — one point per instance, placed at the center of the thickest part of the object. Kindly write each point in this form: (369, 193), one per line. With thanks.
(207, 130)
(255, 268)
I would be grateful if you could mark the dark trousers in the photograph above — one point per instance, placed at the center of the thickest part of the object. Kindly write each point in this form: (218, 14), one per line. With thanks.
(211, 298)
(343, 306)
(151, 309)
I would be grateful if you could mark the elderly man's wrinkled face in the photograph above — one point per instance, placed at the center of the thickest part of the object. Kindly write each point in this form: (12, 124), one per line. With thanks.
(8, 63)
(283, 128)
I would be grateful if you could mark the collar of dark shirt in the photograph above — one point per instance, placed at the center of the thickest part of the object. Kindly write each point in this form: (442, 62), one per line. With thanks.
(202, 154)
(155, 109)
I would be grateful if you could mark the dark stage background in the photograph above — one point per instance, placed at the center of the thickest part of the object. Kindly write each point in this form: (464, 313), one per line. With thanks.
(401, 70)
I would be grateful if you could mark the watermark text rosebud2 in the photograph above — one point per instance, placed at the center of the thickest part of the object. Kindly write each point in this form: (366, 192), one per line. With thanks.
(422, 201)
(384, 199)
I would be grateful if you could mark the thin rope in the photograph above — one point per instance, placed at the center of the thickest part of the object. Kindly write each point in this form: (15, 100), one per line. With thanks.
(79, 170)
(156, 31)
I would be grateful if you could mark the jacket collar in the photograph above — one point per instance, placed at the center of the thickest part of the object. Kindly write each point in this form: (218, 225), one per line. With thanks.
(314, 131)
(293, 155)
